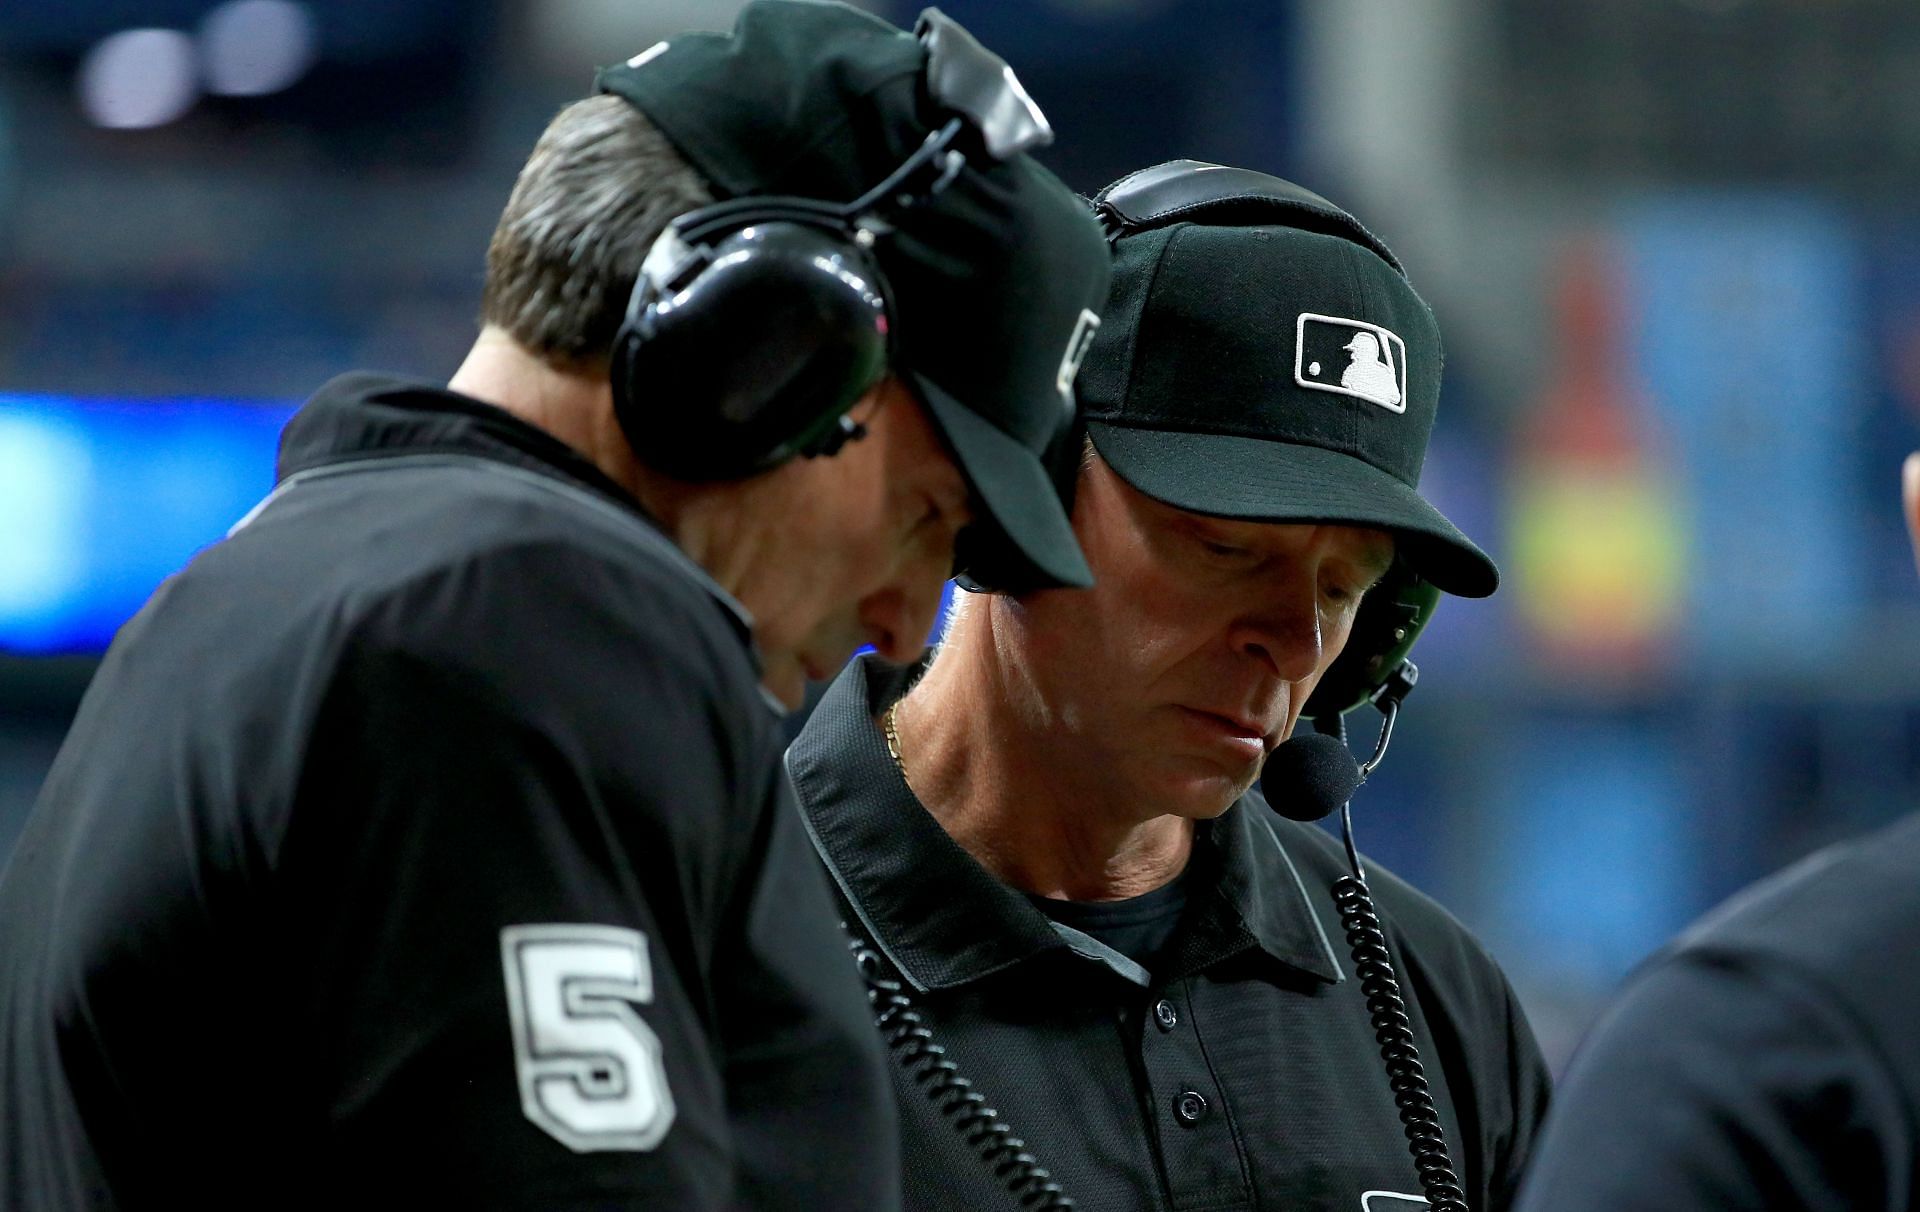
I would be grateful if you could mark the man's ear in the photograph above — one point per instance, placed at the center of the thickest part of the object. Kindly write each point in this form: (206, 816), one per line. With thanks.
(1910, 500)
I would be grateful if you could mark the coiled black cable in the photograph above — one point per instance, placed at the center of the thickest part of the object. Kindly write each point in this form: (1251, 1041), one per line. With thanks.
(966, 1108)
(1394, 1031)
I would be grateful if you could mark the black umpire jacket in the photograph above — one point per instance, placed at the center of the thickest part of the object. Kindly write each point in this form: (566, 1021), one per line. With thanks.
(424, 845)
(1243, 1075)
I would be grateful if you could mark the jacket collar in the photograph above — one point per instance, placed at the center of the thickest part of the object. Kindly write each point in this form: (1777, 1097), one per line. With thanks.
(944, 920)
(365, 415)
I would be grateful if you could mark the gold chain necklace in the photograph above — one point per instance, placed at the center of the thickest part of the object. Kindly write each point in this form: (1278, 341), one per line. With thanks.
(891, 728)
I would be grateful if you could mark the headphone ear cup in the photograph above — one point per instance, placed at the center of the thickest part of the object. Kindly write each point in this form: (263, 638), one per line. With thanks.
(1390, 619)
(754, 356)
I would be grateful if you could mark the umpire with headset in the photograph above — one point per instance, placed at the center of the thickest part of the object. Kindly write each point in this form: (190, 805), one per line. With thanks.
(1077, 911)
(424, 843)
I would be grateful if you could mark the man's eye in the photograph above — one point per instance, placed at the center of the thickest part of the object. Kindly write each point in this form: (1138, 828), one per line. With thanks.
(1345, 593)
(1224, 550)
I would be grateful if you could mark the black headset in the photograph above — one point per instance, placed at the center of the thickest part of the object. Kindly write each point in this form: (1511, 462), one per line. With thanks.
(756, 323)
(1374, 662)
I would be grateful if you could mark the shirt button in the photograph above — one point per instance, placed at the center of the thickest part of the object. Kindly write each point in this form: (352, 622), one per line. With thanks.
(1165, 1015)
(1191, 1107)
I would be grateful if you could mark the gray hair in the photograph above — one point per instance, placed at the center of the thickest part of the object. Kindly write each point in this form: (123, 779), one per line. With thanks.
(600, 186)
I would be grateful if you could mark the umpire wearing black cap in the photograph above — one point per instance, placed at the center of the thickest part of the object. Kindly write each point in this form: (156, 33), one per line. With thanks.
(424, 843)
(1051, 839)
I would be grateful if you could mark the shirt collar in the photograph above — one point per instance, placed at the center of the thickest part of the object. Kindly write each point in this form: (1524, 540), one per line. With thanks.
(1270, 899)
(363, 414)
(940, 917)
(944, 920)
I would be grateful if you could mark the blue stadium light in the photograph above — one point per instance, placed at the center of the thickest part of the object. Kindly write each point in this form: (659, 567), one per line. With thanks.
(101, 500)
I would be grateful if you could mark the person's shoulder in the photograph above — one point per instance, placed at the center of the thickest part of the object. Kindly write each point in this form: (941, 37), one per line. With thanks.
(1781, 1016)
(552, 625)
(1427, 935)
(481, 510)
(509, 585)
(1817, 947)
(1476, 1020)
(1839, 912)
(428, 547)
(1321, 859)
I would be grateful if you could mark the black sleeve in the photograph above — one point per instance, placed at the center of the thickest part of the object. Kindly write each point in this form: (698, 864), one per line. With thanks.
(1721, 1084)
(520, 846)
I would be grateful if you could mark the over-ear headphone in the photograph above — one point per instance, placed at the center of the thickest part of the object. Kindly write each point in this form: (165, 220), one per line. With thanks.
(1391, 616)
(757, 322)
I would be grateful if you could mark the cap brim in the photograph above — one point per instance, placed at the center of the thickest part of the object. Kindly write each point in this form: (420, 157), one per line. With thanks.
(1262, 480)
(1027, 529)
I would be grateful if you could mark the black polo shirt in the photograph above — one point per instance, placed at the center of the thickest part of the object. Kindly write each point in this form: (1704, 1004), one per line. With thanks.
(1242, 1073)
(1767, 1060)
(424, 844)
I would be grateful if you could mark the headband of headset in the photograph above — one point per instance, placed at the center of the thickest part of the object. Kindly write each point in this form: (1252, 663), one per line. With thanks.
(1192, 191)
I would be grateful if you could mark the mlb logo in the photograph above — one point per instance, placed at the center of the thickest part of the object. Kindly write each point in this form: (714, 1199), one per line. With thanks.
(1351, 358)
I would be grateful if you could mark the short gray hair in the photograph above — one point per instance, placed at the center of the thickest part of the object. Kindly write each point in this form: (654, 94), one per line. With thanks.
(600, 186)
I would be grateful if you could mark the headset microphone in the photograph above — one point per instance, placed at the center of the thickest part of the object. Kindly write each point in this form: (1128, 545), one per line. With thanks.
(1309, 777)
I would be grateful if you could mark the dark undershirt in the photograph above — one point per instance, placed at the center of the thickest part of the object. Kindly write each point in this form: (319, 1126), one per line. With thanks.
(1138, 927)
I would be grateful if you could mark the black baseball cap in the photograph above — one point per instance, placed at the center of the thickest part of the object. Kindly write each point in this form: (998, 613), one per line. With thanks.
(996, 281)
(1264, 357)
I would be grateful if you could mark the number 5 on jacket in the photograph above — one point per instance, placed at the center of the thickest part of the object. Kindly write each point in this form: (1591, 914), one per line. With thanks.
(589, 1067)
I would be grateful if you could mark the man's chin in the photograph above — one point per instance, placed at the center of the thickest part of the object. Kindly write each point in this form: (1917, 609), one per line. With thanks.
(1200, 795)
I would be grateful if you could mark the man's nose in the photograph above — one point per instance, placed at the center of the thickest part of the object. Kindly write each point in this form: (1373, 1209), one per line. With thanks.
(1284, 635)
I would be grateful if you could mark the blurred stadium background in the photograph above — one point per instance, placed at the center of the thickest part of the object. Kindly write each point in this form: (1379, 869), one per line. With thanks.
(1673, 245)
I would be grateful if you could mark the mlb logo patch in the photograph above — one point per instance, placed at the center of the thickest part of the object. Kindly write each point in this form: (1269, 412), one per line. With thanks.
(1351, 358)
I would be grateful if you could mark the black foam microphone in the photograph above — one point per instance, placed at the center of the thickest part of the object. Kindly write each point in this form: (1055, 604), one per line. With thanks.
(1309, 777)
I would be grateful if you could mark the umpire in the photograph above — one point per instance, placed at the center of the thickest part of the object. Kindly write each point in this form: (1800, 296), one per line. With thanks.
(424, 843)
(1050, 838)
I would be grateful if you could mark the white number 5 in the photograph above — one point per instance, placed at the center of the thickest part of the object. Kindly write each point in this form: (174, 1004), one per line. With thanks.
(589, 1067)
